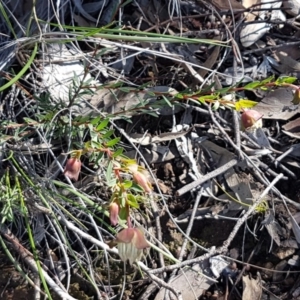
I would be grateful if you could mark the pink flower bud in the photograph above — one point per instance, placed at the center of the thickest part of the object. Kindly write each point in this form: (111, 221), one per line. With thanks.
(251, 118)
(296, 99)
(131, 242)
(72, 168)
(142, 180)
(114, 213)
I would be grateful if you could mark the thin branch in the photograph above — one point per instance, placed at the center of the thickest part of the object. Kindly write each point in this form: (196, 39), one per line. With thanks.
(29, 260)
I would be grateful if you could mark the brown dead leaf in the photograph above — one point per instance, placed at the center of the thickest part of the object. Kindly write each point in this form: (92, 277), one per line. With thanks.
(164, 188)
(287, 55)
(293, 5)
(292, 128)
(252, 32)
(273, 228)
(155, 155)
(239, 186)
(288, 62)
(295, 228)
(211, 60)
(190, 282)
(227, 4)
(281, 266)
(292, 50)
(250, 16)
(249, 3)
(278, 105)
(116, 101)
(252, 288)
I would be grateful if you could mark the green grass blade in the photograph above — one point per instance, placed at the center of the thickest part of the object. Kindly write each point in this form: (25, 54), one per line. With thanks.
(136, 36)
(22, 72)
(31, 239)
(5, 16)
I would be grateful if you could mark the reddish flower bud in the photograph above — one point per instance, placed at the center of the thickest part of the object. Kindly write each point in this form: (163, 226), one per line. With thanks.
(296, 99)
(114, 213)
(142, 180)
(251, 118)
(72, 168)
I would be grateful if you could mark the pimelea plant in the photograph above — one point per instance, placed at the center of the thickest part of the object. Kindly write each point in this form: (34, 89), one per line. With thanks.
(90, 145)
(126, 195)
(51, 156)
